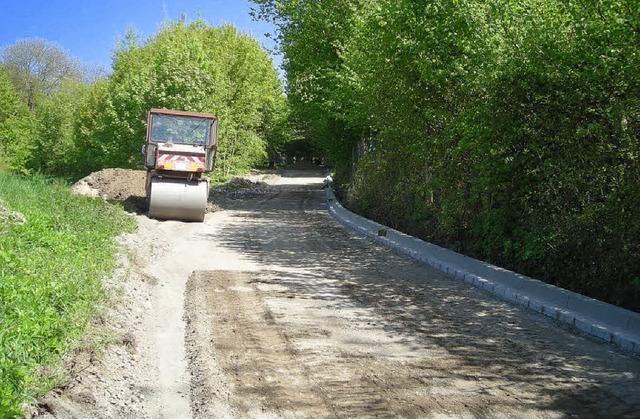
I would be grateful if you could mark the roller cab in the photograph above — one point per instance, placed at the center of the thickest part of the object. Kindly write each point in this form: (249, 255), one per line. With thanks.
(180, 147)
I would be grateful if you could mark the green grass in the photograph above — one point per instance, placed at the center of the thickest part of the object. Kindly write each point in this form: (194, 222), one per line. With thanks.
(50, 270)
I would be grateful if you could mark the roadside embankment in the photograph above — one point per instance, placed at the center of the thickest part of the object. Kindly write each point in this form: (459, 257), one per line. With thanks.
(55, 248)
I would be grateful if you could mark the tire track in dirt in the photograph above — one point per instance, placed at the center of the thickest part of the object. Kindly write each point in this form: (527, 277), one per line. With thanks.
(257, 359)
(272, 377)
(288, 315)
(346, 328)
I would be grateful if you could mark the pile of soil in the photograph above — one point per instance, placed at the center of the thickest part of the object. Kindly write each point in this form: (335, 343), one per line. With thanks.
(113, 184)
(127, 186)
(124, 185)
(238, 188)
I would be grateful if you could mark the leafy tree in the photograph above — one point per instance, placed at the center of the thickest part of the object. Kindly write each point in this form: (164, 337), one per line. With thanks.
(51, 84)
(16, 127)
(311, 36)
(38, 67)
(55, 142)
(91, 135)
(187, 66)
(505, 129)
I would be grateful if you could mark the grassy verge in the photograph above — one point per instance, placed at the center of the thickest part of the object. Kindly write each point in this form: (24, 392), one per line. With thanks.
(50, 270)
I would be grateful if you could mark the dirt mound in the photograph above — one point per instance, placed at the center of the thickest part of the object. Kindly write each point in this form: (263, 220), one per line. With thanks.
(238, 188)
(112, 184)
(237, 183)
(125, 185)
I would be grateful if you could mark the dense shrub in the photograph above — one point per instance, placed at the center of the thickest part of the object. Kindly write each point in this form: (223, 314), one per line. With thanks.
(186, 66)
(509, 130)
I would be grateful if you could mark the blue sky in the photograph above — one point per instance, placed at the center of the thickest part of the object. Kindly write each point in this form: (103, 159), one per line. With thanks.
(89, 29)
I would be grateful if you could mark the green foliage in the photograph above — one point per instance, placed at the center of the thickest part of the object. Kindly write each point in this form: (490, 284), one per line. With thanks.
(509, 130)
(186, 66)
(40, 93)
(92, 132)
(38, 67)
(55, 148)
(311, 38)
(16, 127)
(75, 128)
(50, 270)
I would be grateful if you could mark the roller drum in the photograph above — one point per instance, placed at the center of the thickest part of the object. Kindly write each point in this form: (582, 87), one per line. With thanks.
(178, 199)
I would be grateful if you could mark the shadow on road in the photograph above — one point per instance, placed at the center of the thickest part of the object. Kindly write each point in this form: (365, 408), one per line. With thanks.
(498, 348)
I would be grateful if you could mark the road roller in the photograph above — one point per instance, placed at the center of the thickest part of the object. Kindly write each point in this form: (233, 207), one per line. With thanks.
(180, 147)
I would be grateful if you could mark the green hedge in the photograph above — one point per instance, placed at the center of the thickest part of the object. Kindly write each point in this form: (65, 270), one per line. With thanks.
(508, 130)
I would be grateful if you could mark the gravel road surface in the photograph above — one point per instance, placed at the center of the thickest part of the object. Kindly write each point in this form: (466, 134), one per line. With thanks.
(269, 309)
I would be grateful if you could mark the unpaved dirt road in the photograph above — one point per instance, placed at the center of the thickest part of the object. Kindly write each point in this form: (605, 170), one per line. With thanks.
(270, 309)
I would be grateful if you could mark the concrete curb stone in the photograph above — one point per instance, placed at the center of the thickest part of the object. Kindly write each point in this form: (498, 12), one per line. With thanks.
(599, 319)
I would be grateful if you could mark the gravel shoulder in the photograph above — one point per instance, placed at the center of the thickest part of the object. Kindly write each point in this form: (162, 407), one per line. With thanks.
(270, 309)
